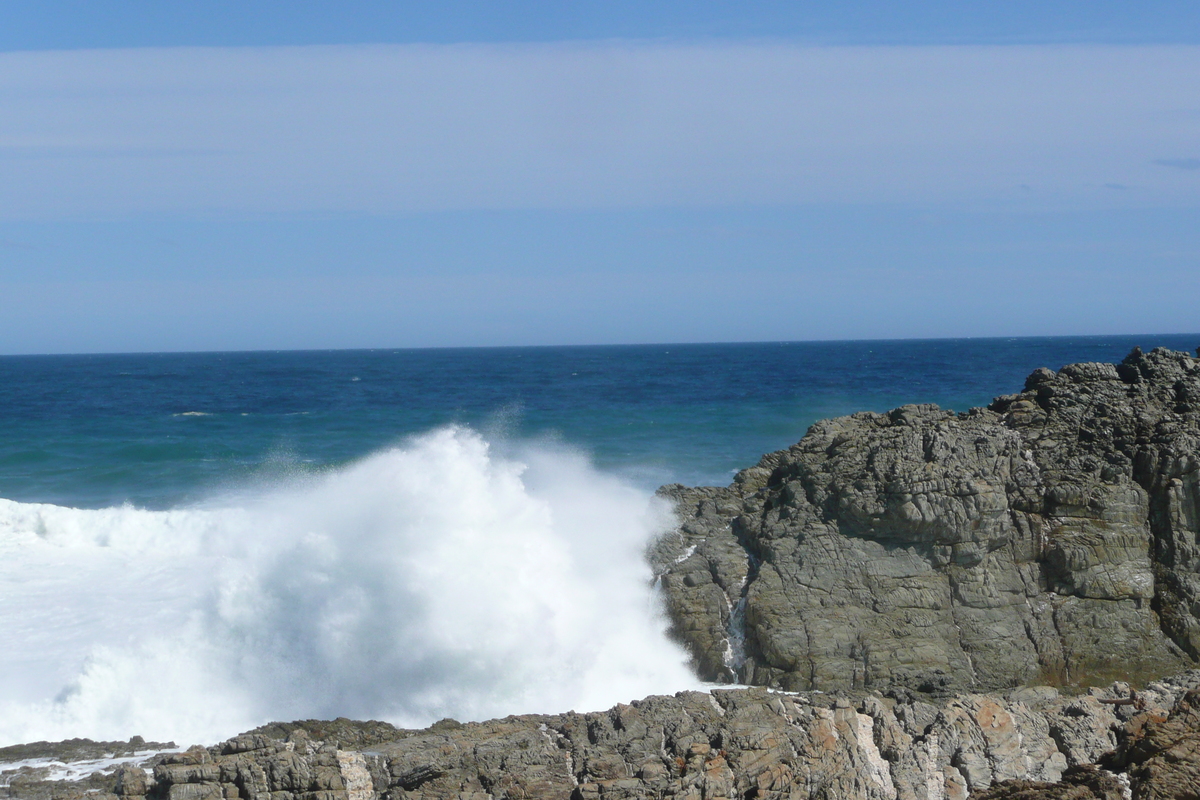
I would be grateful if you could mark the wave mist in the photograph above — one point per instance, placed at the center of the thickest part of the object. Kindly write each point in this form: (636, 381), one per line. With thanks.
(435, 579)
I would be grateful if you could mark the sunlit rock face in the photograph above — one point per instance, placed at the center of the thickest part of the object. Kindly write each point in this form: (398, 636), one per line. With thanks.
(1049, 538)
(746, 742)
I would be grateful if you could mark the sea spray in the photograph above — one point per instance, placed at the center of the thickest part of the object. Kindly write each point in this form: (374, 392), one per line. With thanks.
(439, 578)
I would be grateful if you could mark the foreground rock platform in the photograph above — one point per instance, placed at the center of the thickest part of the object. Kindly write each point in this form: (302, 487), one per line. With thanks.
(1050, 538)
(738, 743)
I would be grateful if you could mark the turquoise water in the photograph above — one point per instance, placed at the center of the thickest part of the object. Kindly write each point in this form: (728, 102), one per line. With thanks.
(159, 430)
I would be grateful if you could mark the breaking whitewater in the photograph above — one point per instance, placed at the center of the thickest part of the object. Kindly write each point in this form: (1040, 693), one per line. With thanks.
(441, 578)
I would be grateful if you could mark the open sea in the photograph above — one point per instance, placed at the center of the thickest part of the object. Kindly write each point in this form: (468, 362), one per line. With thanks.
(194, 544)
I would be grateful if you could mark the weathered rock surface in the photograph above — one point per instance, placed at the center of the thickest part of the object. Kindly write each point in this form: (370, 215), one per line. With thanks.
(1078, 783)
(732, 743)
(1050, 538)
(1161, 753)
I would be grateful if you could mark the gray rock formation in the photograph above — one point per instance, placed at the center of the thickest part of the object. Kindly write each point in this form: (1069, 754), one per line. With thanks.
(36, 771)
(740, 743)
(1051, 538)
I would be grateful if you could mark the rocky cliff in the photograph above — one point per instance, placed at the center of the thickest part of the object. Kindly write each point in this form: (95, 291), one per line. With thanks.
(1050, 538)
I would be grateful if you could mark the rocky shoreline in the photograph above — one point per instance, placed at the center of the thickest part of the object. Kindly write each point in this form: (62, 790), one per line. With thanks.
(927, 604)
(1032, 742)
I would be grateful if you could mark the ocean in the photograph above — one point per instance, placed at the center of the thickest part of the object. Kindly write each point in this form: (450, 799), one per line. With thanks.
(195, 544)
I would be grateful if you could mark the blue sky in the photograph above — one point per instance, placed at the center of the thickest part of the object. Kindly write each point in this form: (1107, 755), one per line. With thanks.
(54, 24)
(220, 175)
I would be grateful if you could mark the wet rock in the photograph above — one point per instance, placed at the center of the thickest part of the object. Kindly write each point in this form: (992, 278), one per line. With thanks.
(80, 749)
(132, 781)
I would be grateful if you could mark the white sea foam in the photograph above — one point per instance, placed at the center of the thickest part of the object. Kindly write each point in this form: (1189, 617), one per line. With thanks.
(435, 579)
(74, 770)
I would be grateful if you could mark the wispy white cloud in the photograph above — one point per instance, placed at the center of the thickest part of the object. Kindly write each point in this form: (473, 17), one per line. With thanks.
(393, 128)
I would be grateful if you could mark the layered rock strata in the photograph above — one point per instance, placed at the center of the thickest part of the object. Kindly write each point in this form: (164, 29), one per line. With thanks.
(1050, 538)
(740, 743)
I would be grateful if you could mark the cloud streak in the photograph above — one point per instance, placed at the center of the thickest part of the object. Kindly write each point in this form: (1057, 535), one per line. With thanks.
(1179, 163)
(381, 129)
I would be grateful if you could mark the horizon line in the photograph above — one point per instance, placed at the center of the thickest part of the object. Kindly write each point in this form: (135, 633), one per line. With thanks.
(780, 342)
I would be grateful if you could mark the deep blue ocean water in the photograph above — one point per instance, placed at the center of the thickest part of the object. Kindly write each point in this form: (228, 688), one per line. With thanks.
(162, 429)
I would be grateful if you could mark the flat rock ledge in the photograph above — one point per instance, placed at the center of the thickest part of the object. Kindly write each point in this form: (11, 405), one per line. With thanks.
(738, 743)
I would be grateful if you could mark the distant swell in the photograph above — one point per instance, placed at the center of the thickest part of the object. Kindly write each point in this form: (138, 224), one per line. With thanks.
(435, 579)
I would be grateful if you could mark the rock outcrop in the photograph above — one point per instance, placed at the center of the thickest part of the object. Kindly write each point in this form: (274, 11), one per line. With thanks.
(1157, 758)
(741, 743)
(1051, 538)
